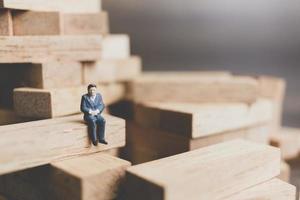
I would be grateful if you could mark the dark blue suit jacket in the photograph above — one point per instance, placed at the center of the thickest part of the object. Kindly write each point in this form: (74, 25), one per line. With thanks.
(87, 104)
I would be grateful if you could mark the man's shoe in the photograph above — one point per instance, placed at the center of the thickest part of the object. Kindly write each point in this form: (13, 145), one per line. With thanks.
(95, 143)
(103, 142)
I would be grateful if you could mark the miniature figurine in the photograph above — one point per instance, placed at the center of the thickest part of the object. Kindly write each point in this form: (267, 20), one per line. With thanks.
(92, 107)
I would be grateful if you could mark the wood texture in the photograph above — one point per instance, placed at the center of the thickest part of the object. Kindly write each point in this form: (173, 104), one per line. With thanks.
(54, 74)
(116, 46)
(202, 87)
(6, 26)
(273, 88)
(285, 172)
(202, 119)
(104, 71)
(274, 189)
(68, 6)
(23, 49)
(55, 23)
(49, 103)
(147, 144)
(213, 172)
(36, 143)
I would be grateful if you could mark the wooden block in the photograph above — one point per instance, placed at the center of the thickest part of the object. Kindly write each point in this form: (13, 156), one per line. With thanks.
(146, 144)
(8, 116)
(45, 141)
(96, 176)
(55, 23)
(288, 140)
(49, 103)
(23, 49)
(67, 6)
(95, 23)
(104, 71)
(6, 27)
(274, 189)
(285, 172)
(116, 46)
(54, 74)
(213, 172)
(113, 152)
(202, 87)
(202, 119)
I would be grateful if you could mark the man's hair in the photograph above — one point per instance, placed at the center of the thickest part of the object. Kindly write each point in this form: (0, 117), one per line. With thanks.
(90, 86)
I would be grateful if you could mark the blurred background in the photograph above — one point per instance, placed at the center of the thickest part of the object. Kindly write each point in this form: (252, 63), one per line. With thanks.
(248, 37)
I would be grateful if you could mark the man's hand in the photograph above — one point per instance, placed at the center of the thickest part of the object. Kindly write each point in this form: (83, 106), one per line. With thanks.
(94, 112)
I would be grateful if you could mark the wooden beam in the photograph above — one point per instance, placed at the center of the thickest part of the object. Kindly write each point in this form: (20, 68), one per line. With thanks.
(8, 116)
(23, 49)
(116, 46)
(104, 71)
(213, 172)
(285, 172)
(49, 103)
(202, 87)
(202, 119)
(67, 6)
(55, 23)
(36, 143)
(54, 74)
(274, 189)
(6, 27)
(147, 144)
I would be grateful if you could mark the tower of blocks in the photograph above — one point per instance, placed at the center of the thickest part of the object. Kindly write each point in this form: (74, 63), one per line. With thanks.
(171, 135)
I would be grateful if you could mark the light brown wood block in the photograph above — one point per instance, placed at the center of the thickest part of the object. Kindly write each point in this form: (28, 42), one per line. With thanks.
(116, 46)
(54, 74)
(273, 88)
(23, 49)
(146, 144)
(36, 143)
(288, 140)
(6, 27)
(96, 176)
(49, 103)
(274, 189)
(196, 87)
(95, 23)
(213, 172)
(68, 6)
(55, 23)
(285, 172)
(111, 70)
(8, 116)
(202, 119)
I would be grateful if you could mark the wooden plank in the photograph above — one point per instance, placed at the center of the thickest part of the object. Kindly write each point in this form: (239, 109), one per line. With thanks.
(54, 74)
(8, 116)
(213, 172)
(104, 71)
(116, 46)
(23, 49)
(146, 144)
(6, 27)
(274, 189)
(55, 23)
(96, 176)
(273, 88)
(285, 172)
(45, 141)
(49, 103)
(288, 140)
(202, 119)
(67, 6)
(95, 23)
(202, 87)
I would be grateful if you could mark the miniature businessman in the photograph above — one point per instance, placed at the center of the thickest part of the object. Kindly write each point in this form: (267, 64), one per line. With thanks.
(92, 107)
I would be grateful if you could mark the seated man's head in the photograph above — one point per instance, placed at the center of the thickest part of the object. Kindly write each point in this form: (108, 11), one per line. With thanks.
(92, 89)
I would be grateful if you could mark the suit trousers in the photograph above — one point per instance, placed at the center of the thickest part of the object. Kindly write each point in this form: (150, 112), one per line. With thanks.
(96, 127)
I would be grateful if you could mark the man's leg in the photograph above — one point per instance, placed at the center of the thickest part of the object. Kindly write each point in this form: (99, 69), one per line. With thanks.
(101, 127)
(91, 121)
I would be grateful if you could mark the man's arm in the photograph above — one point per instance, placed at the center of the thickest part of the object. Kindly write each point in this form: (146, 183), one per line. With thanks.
(83, 106)
(100, 105)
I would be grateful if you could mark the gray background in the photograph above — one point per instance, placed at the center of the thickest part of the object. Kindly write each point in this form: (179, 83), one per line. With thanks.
(249, 37)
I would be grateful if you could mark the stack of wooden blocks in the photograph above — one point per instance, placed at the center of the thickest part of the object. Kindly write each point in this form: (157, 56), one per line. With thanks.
(189, 135)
